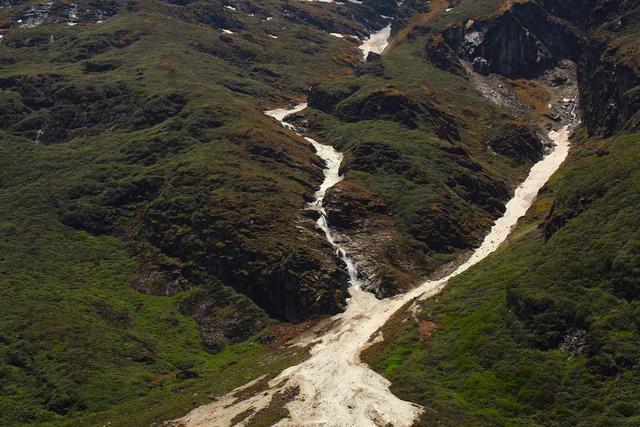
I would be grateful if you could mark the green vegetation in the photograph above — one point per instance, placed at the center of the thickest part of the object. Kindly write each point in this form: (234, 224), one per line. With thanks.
(77, 339)
(494, 357)
(153, 226)
(139, 184)
(416, 137)
(144, 193)
(545, 331)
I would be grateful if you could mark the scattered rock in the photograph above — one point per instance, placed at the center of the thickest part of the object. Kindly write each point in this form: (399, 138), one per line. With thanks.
(575, 342)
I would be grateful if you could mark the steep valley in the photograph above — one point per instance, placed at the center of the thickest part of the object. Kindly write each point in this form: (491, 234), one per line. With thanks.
(171, 252)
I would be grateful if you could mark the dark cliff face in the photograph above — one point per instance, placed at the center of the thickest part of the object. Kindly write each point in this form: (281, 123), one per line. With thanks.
(521, 42)
(443, 56)
(609, 92)
(326, 99)
(531, 37)
(608, 72)
(572, 10)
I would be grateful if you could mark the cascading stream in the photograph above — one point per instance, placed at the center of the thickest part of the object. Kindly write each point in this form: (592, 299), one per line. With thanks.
(332, 159)
(377, 43)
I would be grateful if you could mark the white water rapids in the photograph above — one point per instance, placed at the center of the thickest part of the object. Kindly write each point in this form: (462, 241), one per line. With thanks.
(332, 159)
(335, 387)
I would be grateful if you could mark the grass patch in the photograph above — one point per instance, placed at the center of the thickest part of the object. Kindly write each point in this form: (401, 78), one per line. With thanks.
(501, 323)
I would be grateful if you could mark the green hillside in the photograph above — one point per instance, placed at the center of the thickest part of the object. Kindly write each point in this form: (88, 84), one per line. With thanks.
(156, 250)
(153, 223)
(545, 331)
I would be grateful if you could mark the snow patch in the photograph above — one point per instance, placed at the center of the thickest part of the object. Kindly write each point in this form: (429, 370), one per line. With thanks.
(72, 15)
(377, 42)
(35, 16)
(474, 38)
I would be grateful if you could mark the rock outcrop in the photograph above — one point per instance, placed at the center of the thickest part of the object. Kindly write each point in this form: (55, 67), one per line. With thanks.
(609, 91)
(517, 142)
(218, 325)
(531, 37)
(523, 41)
(373, 66)
(443, 56)
(384, 104)
(325, 97)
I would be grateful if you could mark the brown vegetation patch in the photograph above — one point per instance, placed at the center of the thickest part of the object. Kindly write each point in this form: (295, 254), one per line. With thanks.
(532, 93)
(257, 386)
(436, 8)
(171, 375)
(242, 416)
(426, 328)
(276, 410)
(282, 333)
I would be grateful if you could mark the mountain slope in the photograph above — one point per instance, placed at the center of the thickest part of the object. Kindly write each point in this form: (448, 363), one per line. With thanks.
(153, 219)
(141, 184)
(157, 248)
(426, 164)
(545, 331)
